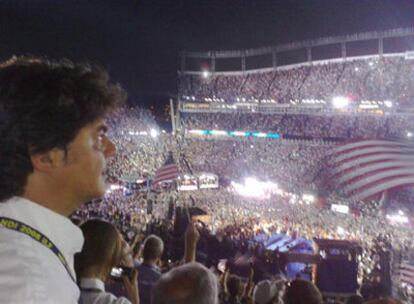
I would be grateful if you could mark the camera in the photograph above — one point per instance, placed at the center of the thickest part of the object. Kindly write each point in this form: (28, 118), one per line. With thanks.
(118, 272)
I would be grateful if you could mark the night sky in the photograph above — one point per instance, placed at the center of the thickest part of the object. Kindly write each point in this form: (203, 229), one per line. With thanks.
(139, 41)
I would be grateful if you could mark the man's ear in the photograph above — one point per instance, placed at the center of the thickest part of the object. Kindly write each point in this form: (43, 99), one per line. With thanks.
(48, 161)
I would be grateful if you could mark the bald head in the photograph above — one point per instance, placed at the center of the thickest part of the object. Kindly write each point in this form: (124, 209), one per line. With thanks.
(187, 284)
(302, 292)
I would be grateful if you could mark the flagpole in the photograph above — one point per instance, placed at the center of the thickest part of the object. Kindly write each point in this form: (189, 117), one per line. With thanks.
(172, 116)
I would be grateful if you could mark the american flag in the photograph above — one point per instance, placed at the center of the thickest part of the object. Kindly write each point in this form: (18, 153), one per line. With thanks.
(167, 173)
(365, 169)
(407, 272)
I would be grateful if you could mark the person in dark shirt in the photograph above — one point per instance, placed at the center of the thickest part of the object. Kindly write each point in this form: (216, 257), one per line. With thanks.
(149, 273)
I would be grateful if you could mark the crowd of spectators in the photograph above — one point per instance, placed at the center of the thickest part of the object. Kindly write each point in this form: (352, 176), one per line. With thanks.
(379, 78)
(134, 131)
(148, 240)
(235, 221)
(295, 165)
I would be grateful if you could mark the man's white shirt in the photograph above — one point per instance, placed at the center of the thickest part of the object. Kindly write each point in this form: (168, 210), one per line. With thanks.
(30, 272)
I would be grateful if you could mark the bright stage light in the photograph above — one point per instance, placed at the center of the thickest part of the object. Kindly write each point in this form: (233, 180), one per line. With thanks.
(388, 104)
(409, 134)
(254, 188)
(340, 102)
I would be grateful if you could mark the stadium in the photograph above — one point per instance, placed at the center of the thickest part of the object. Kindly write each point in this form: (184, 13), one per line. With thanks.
(263, 152)
(285, 174)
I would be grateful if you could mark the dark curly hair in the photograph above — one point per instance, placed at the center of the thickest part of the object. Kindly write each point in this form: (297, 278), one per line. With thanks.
(43, 105)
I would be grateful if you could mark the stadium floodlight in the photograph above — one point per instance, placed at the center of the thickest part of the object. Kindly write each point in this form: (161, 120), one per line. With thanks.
(153, 133)
(388, 104)
(409, 134)
(340, 102)
(206, 74)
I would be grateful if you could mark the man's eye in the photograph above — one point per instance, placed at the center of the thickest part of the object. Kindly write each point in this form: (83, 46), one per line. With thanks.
(100, 138)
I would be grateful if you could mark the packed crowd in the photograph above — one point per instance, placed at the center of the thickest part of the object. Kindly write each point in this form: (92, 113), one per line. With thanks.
(295, 165)
(235, 221)
(139, 152)
(51, 169)
(386, 78)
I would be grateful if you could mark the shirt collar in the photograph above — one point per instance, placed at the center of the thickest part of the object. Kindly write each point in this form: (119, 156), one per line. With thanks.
(151, 266)
(58, 228)
(92, 283)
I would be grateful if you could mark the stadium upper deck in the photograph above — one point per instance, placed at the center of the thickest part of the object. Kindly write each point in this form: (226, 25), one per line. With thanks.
(365, 73)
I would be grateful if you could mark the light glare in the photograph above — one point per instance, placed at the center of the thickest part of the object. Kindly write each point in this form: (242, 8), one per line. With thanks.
(153, 133)
(340, 102)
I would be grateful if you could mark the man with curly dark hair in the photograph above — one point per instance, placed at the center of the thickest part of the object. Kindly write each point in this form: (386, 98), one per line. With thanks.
(53, 152)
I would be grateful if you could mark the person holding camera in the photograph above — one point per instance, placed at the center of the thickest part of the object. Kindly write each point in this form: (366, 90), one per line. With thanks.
(102, 257)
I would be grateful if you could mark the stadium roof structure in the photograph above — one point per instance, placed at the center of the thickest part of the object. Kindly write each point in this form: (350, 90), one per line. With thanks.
(392, 41)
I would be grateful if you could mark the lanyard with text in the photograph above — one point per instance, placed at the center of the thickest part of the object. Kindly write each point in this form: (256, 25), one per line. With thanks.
(36, 235)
